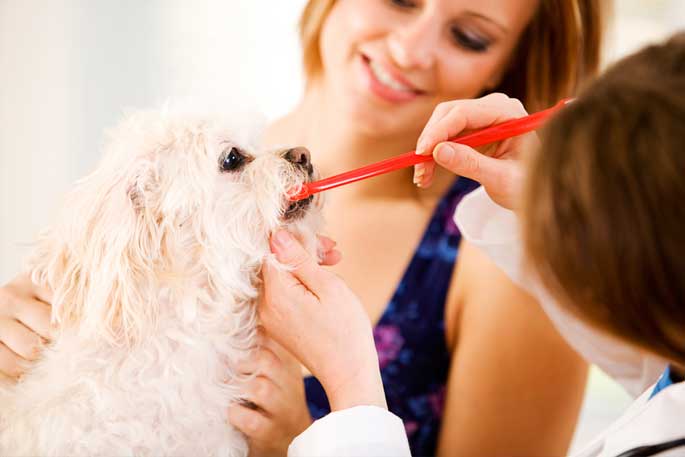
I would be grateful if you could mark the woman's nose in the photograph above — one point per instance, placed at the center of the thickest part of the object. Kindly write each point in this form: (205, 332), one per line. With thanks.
(413, 45)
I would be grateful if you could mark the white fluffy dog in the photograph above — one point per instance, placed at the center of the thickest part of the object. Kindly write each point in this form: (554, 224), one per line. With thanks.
(154, 264)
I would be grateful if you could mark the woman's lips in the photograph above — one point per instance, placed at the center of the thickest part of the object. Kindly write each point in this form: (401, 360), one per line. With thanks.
(386, 85)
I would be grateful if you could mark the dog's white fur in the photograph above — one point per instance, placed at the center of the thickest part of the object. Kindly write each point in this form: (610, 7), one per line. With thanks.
(154, 264)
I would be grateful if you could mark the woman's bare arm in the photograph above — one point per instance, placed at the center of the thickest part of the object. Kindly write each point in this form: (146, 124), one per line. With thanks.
(515, 387)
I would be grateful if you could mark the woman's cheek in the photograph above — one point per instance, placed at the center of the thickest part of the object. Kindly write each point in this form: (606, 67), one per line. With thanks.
(467, 75)
(350, 24)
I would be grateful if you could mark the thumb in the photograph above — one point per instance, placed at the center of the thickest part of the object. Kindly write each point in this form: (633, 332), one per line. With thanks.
(289, 251)
(466, 161)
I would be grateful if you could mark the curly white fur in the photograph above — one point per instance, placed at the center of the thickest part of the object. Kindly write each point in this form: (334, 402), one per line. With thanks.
(154, 263)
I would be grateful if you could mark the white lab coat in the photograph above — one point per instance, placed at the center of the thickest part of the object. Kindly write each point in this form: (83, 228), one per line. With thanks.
(494, 230)
(374, 432)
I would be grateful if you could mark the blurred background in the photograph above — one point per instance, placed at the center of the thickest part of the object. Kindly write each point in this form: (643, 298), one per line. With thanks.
(71, 68)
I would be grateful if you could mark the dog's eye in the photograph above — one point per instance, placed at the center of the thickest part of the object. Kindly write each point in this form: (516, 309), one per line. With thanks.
(232, 159)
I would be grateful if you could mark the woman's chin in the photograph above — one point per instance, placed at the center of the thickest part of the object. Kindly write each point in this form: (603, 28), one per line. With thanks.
(365, 116)
(379, 126)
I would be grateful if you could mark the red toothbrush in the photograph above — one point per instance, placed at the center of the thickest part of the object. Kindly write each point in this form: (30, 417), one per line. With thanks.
(499, 132)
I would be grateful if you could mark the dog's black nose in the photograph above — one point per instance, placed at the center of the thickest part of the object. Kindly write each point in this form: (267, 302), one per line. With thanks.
(299, 156)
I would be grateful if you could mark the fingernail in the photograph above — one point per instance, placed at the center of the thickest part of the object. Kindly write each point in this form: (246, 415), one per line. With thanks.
(419, 171)
(445, 153)
(421, 147)
(283, 239)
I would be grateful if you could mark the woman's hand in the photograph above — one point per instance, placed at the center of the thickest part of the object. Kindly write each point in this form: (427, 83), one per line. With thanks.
(24, 324)
(497, 167)
(316, 317)
(276, 411)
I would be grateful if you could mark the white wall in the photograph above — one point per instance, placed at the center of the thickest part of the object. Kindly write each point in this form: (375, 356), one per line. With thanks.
(68, 69)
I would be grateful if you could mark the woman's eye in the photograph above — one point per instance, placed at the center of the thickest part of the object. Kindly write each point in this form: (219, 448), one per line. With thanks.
(404, 3)
(232, 160)
(470, 41)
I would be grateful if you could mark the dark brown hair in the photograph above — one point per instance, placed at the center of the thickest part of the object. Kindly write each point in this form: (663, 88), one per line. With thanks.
(604, 204)
(559, 49)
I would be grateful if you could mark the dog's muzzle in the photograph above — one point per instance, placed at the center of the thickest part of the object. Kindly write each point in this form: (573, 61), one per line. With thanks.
(301, 158)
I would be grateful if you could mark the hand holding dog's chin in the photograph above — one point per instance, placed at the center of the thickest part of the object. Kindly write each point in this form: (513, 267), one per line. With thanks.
(24, 324)
(312, 313)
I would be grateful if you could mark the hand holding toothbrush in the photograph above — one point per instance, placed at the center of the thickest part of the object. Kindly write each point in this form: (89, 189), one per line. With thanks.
(497, 167)
(490, 121)
(308, 305)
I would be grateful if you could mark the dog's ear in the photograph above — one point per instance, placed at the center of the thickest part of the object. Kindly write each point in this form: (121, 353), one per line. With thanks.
(102, 259)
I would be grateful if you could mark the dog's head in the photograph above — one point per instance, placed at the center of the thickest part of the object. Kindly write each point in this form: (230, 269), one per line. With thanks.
(178, 203)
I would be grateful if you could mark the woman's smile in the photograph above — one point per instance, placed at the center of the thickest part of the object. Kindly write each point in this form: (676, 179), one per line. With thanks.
(385, 82)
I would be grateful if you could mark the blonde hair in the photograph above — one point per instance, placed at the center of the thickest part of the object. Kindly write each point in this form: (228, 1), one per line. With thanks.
(559, 49)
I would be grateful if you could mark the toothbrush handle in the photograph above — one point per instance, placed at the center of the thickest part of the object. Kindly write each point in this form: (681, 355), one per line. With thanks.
(508, 129)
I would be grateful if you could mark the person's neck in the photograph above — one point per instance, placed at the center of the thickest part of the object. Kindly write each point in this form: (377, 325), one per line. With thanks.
(337, 146)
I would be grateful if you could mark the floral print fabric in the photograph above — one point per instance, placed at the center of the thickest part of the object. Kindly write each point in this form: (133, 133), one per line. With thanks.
(410, 335)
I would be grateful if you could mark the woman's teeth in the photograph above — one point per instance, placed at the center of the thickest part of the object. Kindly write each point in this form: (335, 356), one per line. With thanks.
(386, 79)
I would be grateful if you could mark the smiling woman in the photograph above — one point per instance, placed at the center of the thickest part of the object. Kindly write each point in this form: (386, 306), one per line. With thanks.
(559, 47)
(465, 355)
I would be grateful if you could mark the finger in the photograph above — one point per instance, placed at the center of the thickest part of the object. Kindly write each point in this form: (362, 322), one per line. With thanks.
(495, 151)
(289, 365)
(283, 302)
(264, 362)
(35, 315)
(465, 161)
(326, 243)
(438, 113)
(327, 254)
(43, 294)
(265, 393)
(424, 177)
(332, 257)
(20, 339)
(470, 114)
(24, 283)
(422, 173)
(10, 363)
(290, 252)
(282, 294)
(251, 422)
(278, 282)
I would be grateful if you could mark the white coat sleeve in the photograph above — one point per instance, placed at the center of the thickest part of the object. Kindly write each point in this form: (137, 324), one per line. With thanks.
(362, 431)
(494, 230)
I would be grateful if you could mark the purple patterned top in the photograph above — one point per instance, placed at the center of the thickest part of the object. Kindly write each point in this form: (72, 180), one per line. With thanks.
(410, 335)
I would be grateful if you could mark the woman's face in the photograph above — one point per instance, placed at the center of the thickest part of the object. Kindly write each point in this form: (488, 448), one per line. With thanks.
(387, 63)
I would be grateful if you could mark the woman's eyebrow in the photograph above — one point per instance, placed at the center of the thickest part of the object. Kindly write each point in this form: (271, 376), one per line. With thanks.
(496, 23)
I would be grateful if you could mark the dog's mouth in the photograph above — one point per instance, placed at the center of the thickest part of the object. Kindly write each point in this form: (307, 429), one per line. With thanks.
(297, 209)
(300, 160)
